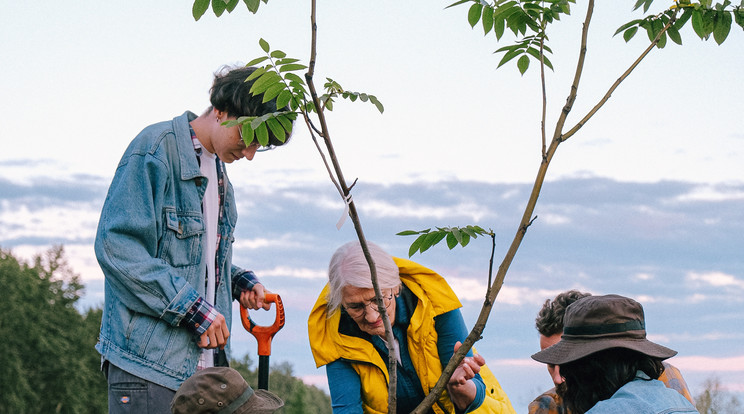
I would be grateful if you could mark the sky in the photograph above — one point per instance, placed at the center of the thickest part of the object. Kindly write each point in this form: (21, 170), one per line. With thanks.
(645, 200)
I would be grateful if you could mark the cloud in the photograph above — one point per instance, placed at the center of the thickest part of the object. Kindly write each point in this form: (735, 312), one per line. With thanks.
(707, 364)
(715, 279)
(712, 193)
(385, 209)
(302, 273)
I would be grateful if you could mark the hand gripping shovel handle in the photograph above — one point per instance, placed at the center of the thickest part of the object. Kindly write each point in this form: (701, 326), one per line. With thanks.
(263, 335)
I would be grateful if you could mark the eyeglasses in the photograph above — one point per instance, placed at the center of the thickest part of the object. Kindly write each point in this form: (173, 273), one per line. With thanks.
(356, 310)
(259, 149)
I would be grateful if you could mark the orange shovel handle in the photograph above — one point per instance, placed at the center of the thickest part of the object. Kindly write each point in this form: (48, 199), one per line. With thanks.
(264, 334)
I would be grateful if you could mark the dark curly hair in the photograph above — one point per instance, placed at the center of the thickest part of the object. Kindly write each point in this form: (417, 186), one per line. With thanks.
(598, 376)
(231, 93)
(549, 320)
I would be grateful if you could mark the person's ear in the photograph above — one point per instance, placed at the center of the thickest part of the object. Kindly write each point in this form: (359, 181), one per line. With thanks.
(221, 116)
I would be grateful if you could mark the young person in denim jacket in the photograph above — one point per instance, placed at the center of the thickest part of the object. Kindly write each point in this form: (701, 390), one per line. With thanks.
(164, 243)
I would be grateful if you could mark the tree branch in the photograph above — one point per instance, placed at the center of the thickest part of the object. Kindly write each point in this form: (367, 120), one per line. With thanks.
(345, 193)
(619, 80)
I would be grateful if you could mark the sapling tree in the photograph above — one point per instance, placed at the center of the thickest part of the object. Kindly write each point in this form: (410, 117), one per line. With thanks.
(276, 77)
(529, 21)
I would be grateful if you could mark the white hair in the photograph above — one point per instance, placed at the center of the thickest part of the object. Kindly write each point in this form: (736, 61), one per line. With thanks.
(349, 267)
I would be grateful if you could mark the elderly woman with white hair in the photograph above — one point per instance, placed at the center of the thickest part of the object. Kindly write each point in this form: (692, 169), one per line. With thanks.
(347, 336)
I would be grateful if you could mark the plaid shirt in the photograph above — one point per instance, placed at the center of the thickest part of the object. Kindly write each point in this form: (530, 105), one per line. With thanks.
(550, 402)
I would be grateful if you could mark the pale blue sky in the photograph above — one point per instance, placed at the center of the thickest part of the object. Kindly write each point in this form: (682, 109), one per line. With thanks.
(80, 80)
(85, 78)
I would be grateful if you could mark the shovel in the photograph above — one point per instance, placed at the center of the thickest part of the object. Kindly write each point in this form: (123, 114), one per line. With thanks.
(263, 335)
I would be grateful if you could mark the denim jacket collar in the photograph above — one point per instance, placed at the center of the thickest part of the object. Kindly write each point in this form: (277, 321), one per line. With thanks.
(186, 155)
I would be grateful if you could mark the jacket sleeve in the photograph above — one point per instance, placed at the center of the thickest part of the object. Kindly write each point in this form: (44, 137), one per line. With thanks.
(129, 237)
(345, 387)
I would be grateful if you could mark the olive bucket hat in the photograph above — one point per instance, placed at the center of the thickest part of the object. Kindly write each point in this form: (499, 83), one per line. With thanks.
(596, 323)
(222, 390)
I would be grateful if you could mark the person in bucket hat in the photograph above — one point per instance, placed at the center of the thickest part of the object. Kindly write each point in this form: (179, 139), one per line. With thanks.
(222, 390)
(549, 325)
(608, 364)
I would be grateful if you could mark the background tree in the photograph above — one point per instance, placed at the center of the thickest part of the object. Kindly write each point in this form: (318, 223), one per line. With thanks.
(714, 399)
(49, 364)
(298, 397)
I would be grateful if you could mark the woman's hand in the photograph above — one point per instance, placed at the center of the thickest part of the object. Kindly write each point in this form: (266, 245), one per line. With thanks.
(461, 388)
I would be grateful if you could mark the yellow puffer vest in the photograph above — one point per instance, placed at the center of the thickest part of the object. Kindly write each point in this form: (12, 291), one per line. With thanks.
(435, 297)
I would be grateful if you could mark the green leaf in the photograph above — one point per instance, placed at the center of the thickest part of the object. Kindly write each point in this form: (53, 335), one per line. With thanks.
(638, 4)
(697, 23)
(662, 41)
(283, 99)
(256, 73)
(247, 133)
(199, 8)
(511, 54)
(262, 133)
(264, 45)
(273, 91)
(218, 7)
(451, 241)
(674, 35)
(292, 67)
(457, 3)
(377, 103)
(456, 234)
(683, 19)
(231, 5)
(627, 25)
(469, 231)
(286, 122)
(407, 233)
(487, 19)
(523, 63)
(294, 78)
(285, 61)
(646, 5)
(276, 129)
(465, 240)
(252, 5)
(263, 83)
(630, 33)
(723, 27)
(256, 61)
(474, 14)
(416, 245)
(278, 54)
(498, 27)
(432, 239)
(739, 17)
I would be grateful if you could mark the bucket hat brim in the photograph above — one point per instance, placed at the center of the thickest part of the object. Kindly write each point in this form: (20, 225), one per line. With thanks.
(569, 349)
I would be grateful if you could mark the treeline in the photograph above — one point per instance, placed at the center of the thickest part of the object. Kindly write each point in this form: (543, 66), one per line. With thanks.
(48, 363)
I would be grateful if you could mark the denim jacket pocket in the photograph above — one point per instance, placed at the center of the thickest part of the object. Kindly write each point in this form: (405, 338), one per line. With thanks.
(181, 243)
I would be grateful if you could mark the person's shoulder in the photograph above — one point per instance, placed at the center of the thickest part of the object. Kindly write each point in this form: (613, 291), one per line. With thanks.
(548, 402)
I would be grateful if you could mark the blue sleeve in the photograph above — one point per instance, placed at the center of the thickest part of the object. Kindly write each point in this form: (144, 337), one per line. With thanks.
(451, 328)
(345, 387)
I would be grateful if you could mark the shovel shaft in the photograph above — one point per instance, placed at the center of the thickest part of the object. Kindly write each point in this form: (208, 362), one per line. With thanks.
(263, 372)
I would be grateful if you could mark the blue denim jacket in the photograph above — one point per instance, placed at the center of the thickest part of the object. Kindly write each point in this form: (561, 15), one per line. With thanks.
(149, 246)
(644, 396)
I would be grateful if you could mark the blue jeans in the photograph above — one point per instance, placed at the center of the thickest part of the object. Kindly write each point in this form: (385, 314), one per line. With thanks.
(130, 394)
